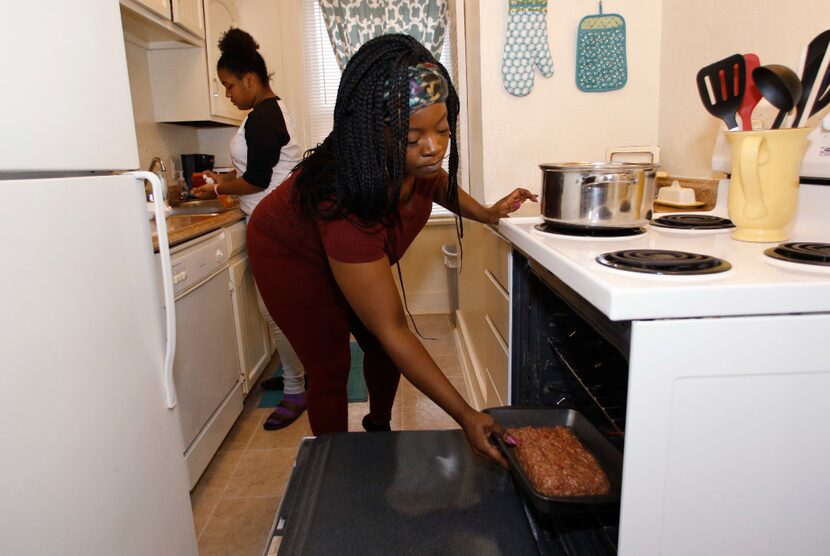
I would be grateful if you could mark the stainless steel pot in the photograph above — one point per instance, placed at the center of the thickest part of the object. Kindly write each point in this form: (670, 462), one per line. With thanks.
(598, 194)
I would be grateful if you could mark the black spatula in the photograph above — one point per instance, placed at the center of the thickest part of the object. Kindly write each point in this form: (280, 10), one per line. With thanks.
(823, 95)
(721, 86)
(812, 64)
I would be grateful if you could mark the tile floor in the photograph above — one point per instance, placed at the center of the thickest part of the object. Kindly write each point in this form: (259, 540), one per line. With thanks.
(236, 499)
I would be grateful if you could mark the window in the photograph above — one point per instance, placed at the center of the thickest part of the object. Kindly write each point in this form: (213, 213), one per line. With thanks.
(323, 73)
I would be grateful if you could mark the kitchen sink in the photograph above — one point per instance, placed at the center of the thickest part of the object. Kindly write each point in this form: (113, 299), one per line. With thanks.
(200, 206)
(177, 222)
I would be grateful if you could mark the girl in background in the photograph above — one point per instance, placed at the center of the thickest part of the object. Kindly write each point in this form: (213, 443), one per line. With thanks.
(263, 152)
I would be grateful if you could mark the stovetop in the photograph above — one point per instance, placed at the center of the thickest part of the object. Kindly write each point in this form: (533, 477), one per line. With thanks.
(755, 285)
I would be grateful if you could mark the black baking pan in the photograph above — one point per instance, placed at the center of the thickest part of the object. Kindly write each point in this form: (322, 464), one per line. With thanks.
(608, 457)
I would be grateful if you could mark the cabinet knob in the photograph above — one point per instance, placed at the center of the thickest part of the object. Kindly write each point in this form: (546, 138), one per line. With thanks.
(215, 87)
(220, 256)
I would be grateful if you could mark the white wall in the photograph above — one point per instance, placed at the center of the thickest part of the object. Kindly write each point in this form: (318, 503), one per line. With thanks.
(425, 276)
(696, 34)
(167, 141)
(556, 122)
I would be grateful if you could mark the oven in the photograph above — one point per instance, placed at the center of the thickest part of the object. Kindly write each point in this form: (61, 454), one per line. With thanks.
(712, 385)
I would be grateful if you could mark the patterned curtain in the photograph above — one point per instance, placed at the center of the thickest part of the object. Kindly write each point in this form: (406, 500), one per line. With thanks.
(350, 23)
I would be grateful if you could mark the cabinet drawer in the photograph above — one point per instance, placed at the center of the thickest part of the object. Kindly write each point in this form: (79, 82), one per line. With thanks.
(496, 256)
(495, 358)
(496, 305)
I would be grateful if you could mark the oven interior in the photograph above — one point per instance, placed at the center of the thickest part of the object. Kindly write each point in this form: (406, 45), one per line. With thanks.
(566, 353)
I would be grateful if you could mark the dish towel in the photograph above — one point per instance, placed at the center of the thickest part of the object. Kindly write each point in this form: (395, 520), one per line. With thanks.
(525, 46)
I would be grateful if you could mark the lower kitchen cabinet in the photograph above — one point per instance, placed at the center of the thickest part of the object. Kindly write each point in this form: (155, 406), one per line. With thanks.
(483, 317)
(253, 337)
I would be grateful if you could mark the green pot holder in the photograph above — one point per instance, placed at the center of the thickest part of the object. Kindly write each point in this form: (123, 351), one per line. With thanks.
(600, 53)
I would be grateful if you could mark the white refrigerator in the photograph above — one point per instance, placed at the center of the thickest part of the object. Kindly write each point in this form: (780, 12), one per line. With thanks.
(90, 451)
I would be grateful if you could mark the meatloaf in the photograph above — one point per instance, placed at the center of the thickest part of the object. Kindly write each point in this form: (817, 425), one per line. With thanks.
(557, 463)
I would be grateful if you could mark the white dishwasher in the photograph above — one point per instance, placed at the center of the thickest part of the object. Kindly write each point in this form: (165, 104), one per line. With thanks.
(206, 368)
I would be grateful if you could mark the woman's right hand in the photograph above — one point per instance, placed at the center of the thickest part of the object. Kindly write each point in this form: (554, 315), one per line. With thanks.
(479, 428)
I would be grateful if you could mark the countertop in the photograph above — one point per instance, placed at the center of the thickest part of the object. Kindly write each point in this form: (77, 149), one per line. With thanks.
(181, 228)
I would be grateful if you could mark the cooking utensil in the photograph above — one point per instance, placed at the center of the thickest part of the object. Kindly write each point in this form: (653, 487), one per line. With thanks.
(751, 93)
(780, 86)
(608, 457)
(721, 86)
(817, 51)
(598, 194)
(821, 94)
(823, 98)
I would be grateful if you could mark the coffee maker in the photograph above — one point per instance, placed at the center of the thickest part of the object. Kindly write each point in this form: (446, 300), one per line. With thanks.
(192, 163)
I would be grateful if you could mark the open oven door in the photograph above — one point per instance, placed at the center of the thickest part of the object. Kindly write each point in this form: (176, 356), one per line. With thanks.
(414, 492)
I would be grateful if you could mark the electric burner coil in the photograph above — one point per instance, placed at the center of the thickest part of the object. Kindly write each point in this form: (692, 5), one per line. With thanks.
(693, 222)
(801, 252)
(661, 261)
(578, 230)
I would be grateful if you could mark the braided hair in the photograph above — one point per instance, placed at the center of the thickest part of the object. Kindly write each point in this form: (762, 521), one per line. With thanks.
(353, 172)
(240, 55)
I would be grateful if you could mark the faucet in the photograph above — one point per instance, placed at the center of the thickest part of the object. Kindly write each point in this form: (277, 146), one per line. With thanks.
(147, 188)
(159, 161)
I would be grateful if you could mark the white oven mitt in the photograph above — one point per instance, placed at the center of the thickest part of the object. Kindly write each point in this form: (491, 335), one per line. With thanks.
(526, 46)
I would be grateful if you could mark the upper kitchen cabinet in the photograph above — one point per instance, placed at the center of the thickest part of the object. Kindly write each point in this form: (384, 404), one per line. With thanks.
(184, 83)
(156, 24)
(220, 15)
(189, 14)
(161, 7)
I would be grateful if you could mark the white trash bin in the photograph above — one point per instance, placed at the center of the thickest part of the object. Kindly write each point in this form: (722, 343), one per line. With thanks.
(450, 251)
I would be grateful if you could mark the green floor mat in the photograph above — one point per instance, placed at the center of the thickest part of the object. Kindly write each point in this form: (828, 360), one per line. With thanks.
(357, 391)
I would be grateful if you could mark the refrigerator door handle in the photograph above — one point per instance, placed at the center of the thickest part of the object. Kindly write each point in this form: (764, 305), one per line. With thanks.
(167, 284)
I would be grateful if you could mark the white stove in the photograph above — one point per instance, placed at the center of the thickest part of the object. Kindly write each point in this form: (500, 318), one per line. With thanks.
(756, 284)
(728, 378)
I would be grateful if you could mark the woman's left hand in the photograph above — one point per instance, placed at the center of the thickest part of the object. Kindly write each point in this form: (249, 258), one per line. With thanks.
(509, 204)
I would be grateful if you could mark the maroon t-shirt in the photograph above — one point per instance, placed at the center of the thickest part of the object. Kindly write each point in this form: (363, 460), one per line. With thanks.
(344, 240)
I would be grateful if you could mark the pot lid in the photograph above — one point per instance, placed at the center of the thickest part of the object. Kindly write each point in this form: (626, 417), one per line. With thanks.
(598, 166)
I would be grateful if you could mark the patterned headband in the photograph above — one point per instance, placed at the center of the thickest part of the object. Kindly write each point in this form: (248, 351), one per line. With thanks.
(427, 86)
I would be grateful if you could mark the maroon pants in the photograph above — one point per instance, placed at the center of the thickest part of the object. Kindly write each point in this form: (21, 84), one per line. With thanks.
(304, 300)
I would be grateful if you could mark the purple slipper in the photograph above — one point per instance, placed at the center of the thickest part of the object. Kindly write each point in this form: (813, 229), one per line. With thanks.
(285, 413)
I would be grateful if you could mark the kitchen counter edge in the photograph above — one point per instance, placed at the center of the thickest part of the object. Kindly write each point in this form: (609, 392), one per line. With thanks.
(182, 228)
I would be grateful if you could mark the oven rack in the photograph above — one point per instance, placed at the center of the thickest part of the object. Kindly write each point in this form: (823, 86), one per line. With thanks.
(605, 387)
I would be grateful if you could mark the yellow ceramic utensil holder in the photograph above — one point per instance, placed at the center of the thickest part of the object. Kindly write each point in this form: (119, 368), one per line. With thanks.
(763, 192)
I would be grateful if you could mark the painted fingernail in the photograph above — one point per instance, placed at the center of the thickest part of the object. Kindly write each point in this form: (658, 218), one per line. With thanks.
(511, 440)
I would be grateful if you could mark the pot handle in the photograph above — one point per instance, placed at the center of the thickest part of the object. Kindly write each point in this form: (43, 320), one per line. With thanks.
(632, 180)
